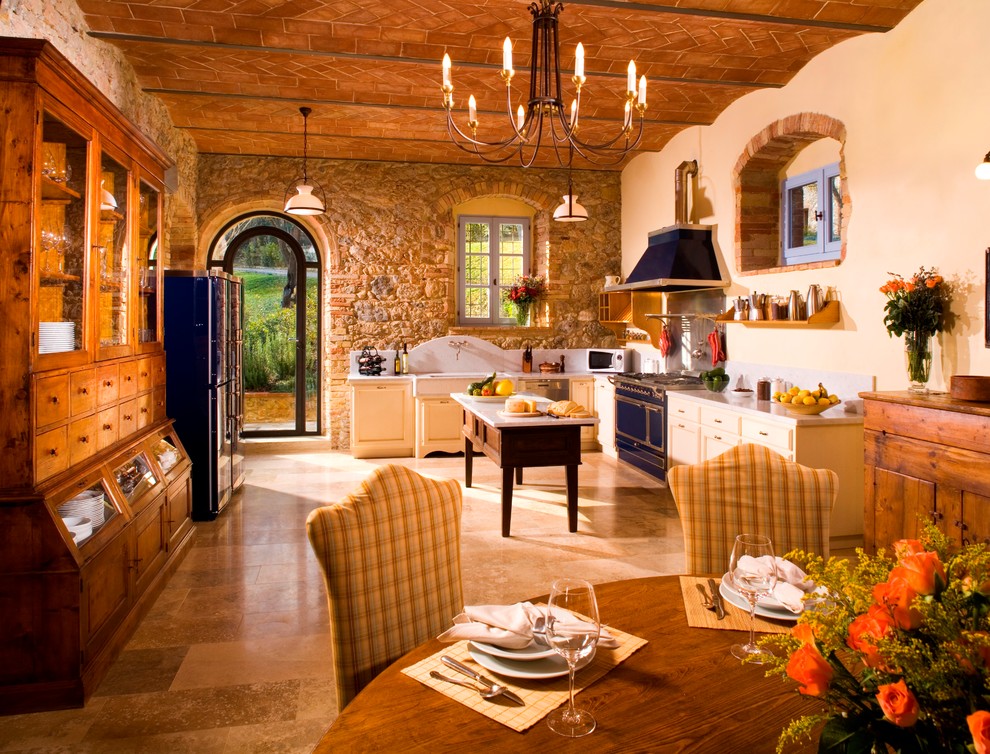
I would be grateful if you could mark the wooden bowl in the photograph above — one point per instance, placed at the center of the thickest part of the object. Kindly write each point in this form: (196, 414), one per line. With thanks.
(800, 408)
(970, 387)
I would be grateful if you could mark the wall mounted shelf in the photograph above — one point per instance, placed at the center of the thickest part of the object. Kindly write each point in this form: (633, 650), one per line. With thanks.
(828, 316)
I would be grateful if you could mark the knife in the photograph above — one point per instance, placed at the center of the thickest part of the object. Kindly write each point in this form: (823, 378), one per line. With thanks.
(717, 599)
(450, 662)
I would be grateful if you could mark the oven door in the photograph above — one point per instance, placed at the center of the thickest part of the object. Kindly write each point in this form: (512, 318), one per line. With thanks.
(639, 421)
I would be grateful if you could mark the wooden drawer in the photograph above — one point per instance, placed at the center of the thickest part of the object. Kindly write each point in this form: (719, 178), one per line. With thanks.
(52, 400)
(128, 378)
(107, 427)
(145, 408)
(145, 374)
(684, 410)
(722, 419)
(84, 438)
(51, 453)
(158, 408)
(82, 392)
(158, 371)
(107, 385)
(127, 418)
(768, 433)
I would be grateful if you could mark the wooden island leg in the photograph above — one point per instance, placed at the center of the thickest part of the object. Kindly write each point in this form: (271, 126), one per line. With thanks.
(468, 460)
(507, 474)
(572, 497)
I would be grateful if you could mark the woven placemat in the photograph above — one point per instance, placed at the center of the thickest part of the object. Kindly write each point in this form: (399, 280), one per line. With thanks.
(735, 619)
(541, 696)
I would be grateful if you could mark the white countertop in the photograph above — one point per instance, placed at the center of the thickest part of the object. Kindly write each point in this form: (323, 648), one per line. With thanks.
(488, 412)
(769, 409)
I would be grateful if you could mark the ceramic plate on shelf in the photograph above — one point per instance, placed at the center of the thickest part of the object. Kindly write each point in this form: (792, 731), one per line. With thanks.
(548, 667)
(526, 654)
(767, 607)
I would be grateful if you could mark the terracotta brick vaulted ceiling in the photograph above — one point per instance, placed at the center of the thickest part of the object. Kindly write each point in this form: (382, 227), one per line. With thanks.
(235, 72)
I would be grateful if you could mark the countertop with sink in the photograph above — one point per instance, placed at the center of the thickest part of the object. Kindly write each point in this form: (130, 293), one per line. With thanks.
(445, 383)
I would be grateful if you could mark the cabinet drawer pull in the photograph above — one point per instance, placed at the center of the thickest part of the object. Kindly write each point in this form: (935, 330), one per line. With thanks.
(107, 426)
(107, 383)
(53, 452)
(718, 421)
(128, 378)
(681, 426)
(717, 437)
(84, 438)
(127, 417)
(84, 391)
(144, 409)
(763, 434)
(144, 374)
(55, 399)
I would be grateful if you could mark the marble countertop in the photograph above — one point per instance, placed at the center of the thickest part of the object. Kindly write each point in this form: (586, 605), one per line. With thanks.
(488, 412)
(770, 410)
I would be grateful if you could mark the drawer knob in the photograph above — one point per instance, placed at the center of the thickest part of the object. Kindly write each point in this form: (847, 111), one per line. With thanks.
(127, 417)
(128, 378)
(107, 426)
(144, 374)
(84, 390)
(107, 383)
(84, 438)
(144, 410)
(55, 399)
(53, 452)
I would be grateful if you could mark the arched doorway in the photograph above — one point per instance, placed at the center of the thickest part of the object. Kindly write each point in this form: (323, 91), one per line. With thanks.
(280, 265)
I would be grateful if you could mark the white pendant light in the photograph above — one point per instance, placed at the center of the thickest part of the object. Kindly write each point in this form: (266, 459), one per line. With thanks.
(569, 210)
(983, 169)
(304, 201)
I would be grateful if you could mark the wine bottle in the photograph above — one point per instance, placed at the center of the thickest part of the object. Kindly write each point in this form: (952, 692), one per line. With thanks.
(405, 360)
(397, 367)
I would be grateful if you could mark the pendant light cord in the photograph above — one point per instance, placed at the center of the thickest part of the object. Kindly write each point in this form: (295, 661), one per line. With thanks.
(305, 114)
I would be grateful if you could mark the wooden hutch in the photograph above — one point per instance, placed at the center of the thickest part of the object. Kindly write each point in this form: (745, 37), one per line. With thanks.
(94, 484)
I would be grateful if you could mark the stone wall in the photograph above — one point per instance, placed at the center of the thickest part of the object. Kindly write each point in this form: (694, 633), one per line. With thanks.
(390, 249)
(61, 22)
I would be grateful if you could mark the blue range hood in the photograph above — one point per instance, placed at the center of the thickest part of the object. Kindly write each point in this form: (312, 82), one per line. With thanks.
(681, 257)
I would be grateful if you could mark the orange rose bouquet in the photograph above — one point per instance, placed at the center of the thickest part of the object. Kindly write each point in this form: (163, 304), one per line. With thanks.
(895, 655)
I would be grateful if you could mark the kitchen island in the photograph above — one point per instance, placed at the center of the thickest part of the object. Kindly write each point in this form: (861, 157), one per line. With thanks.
(518, 442)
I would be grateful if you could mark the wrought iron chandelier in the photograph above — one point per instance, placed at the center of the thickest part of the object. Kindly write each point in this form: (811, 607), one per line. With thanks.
(546, 104)
(304, 201)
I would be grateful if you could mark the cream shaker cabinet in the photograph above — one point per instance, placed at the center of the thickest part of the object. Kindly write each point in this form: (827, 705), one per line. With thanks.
(382, 419)
(605, 410)
(582, 391)
(698, 430)
(438, 425)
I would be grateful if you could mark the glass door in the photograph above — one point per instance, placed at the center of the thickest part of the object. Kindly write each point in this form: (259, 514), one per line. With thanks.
(61, 237)
(148, 268)
(113, 257)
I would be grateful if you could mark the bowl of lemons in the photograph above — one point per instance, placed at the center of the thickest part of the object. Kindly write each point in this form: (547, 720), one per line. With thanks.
(807, 402)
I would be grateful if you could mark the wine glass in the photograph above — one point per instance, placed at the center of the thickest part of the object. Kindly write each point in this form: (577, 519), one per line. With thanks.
(573, 635)
(753, 572)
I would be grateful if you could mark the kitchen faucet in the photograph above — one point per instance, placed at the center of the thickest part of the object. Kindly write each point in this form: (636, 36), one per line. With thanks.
(457, 344)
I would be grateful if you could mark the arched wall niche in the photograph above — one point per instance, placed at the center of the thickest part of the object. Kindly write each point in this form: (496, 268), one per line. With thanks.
(757, 190)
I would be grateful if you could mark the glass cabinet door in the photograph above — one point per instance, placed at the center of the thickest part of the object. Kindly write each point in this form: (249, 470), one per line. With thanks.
(135, 478)
(87, 512)
(147, 265)
(61, 240)
(168, 453)
(113, 249)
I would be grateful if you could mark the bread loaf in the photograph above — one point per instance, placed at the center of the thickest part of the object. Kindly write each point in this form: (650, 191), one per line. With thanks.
(569, 409)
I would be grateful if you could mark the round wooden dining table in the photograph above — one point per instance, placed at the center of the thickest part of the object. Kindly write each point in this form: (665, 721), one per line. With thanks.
(682, 692)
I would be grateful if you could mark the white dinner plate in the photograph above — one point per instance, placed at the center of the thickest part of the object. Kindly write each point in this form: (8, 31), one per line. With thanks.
(548, 667)
(768, 607)
(526, 654)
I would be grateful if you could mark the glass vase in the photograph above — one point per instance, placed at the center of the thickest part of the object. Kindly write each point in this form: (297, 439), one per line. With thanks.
(522, 315)
(918, 359)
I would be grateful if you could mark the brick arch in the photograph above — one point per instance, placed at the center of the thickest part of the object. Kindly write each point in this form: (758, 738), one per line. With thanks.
(757, 189)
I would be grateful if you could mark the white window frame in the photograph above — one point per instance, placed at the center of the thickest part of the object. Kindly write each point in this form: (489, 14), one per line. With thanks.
(495, 285)
(826, 248)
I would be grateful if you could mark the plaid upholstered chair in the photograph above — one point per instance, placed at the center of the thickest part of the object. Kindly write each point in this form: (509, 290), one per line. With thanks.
(391, 559)
(751, 489)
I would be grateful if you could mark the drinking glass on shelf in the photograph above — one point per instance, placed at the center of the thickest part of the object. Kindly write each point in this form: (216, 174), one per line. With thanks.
(753, 572)
(572, 630)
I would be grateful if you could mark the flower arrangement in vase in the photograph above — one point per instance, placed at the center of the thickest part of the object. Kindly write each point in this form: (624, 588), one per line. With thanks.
(898, 649)
(915, 308)
(525, 292)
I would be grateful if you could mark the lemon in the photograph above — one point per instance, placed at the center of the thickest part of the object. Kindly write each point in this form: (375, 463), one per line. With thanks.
(824, 402)
(833, 398)
(803, 393)
(809, 401)
(504, 387)
(794, 390)
(786, 398)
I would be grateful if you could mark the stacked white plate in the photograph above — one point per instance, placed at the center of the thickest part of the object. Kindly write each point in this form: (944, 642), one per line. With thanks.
(88, 504)
(54, 337)
(80, 527)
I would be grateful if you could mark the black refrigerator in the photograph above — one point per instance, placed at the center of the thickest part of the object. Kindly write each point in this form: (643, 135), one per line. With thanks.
(204, 389)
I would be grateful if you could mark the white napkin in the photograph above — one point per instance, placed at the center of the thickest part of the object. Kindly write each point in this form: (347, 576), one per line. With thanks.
(507, 626)
(792, 582)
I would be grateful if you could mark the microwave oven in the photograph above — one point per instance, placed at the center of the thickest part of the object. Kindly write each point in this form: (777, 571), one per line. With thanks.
(607, 359)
